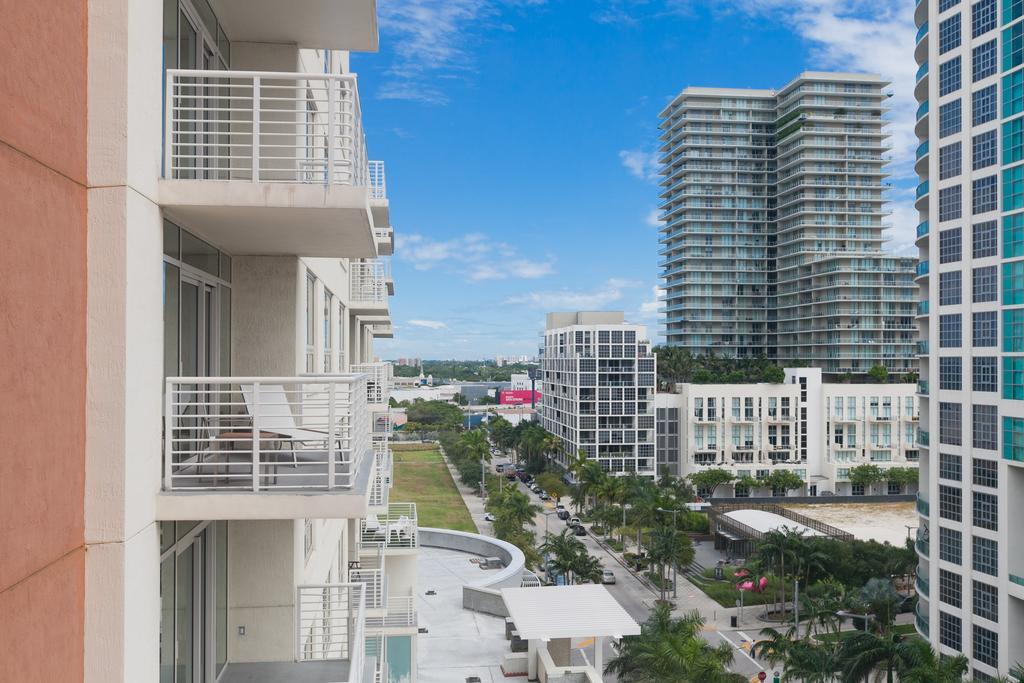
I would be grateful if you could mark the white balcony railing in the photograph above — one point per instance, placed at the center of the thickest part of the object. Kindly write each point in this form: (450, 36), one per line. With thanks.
(261, 126)
(376, 647)
(264, 433)
(375, 585)
(378, 181)
(378, 383)
(368, 281)
(395, 529)
(400, 612)
(330, 624)
(380, 490)
(381, 423)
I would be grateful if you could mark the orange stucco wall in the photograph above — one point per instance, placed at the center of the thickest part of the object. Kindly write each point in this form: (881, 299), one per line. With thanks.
(42, 338)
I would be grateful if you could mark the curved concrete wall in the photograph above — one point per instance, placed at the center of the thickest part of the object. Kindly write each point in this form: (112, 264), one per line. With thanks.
(484, 595)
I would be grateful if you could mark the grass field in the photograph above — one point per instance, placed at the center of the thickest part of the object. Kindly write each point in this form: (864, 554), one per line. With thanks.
(421, 477)
(726, 594)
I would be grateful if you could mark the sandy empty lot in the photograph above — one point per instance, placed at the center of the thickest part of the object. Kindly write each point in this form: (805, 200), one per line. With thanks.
(879, 521)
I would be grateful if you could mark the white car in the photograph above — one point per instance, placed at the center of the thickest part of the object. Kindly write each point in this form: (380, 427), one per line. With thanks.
(489, 517)
(607, 576)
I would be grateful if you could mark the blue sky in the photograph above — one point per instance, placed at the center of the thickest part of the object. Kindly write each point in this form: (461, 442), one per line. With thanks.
(519, 138)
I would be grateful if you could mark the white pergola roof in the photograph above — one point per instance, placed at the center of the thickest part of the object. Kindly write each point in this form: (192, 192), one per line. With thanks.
(584, 611)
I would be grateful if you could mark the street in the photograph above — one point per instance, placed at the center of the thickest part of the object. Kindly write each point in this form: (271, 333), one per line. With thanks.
(638, 600)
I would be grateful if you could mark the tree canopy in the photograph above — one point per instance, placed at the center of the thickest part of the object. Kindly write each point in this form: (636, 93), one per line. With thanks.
(680, 366)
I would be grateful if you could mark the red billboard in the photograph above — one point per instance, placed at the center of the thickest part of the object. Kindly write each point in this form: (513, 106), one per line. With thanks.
(518, 397)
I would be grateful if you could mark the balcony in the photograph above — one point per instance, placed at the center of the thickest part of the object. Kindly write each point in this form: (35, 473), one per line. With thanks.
(378, 193)
(370, 284)
(922, 268)
(264, 447)
(922, 229)
(269, 163)
(399, 613)
(379, 381)
(922, 389)
(922, 308)
(324, 24)
(922, 506)
(394, 531)
(385, 240)
(921, 44)
(923, 586)
(922, 543)
(921, 620)
(922, 436)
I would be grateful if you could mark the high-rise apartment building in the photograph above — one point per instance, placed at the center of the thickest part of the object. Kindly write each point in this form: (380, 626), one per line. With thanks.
(599, 380)
(773, 209)
(970, 87)
(195, 486)
(817, 430)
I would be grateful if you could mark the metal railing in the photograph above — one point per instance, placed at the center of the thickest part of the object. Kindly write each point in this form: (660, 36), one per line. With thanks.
(379, 381)
(330, 622)
(375, 586)
(922, 583)
(395, 529)
(380, 485)
(262, 126)
(819, 526)
(368, 281)
(376, 647)
(378, 181)
(264, 433)
(400, 612)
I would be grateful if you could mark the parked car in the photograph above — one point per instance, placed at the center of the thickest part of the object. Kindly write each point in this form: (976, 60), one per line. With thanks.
(825, 494)
(560, 506)
(574, 521)
(535, 488)
(607, 576)
(544, 495)
(489, 517)
(579, 530)
(563, 514)
(511, 476)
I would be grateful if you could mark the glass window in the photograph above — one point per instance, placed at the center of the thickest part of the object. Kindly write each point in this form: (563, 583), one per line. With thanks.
(1012, 9)
(950, 633)
(984, 375)
(1013, 330)
(950, 206)
(950, 157)
(986, 645)
(949, 76)
(986, 511)
(949, 245)
(984, 192)
(983, 17)
(950, 503)
(199, 254)
(986, 556)
(984, 284)
(949, 35)
(985, 240)
(986, 601)
(950, 588)
(1013, 377)
(949, 466)
(950, 333)
(950, 545)
(950, 423)
(950, 121)
(1013, 94)
(949, 288)
(1013, 283)
(984, 426)
(1013, 235)
(984, 328)
(983, 150)
(1013, 188)
(946, 4)
(950, 371)
(985, 472)
(1013, 46)
(984, 104)
(1013, 141)
(983, 61)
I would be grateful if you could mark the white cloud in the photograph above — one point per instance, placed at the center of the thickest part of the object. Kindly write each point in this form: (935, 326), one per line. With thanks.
(640, 164)
(652, 218)
(429, 324)
(475, 256)
(567, 299)
(649, 308)
(428, 39)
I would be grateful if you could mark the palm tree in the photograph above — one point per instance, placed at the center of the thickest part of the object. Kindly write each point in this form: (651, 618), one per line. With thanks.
(669, 547)
(586, 567)
(924, 666)
(867, 655)
(671, 651)
(562, 551)
(774, 549)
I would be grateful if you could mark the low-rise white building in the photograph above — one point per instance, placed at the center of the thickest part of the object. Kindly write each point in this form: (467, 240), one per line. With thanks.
(818, 431)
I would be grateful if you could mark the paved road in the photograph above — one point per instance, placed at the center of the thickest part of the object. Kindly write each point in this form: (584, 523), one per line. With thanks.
(636, 598)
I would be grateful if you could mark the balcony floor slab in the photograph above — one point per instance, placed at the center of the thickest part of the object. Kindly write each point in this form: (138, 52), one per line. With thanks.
(292, 672)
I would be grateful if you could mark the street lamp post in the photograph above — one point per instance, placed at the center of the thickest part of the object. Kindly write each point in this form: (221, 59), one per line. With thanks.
(675, 529)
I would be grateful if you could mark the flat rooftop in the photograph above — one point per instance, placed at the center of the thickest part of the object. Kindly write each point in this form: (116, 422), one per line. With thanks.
(763, 521)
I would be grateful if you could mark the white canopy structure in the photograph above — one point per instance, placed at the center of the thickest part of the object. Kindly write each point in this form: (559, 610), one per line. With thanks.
(561, 613)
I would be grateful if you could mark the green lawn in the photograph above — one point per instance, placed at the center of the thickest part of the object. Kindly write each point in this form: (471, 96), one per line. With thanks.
(421, 477)
(903, 629)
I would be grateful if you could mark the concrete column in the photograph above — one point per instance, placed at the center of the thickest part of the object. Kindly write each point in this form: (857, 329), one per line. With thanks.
(599, 655)
(531, 660)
